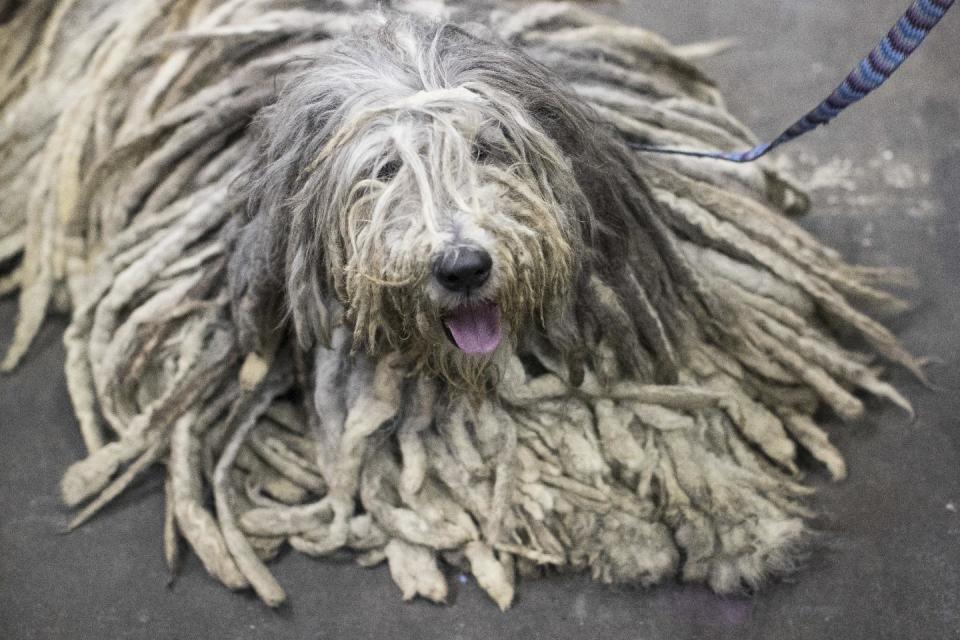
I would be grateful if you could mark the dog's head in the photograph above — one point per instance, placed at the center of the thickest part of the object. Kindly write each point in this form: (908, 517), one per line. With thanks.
(431, 185)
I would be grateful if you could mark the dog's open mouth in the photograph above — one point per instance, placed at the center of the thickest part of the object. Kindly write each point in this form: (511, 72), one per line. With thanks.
(474, 327)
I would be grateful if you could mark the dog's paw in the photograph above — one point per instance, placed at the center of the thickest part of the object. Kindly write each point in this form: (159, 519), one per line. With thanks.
(733, 556)
(622, 549)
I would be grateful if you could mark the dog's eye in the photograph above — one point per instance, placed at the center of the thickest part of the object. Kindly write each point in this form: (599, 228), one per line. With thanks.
(507, 138)
(493, 144)
(388, 170)
(481, 151)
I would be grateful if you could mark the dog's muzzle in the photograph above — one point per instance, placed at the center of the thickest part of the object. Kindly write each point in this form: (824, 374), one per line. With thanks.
(474, 325)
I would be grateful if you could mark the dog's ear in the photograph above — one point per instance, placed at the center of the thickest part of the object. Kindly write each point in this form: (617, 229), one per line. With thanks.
(277, 271)
(631, 269)
(256, 286)
(273, 281)
(275, 277)
(632, 253)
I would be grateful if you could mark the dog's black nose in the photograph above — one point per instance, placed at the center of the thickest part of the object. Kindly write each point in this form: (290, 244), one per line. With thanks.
(463, 269)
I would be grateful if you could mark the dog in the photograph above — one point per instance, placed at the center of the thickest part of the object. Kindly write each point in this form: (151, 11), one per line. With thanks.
(397, 281)
(455, 200)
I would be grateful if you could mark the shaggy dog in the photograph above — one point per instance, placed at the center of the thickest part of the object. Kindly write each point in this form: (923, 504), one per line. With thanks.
(394, 282)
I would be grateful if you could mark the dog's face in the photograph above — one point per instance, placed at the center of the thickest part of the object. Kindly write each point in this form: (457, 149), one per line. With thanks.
(451, 238)
(426, 185)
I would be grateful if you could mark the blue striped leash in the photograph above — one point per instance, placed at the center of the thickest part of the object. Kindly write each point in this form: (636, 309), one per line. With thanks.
(902, 40)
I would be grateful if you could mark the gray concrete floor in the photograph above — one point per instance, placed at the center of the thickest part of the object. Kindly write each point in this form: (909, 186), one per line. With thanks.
(888, 176)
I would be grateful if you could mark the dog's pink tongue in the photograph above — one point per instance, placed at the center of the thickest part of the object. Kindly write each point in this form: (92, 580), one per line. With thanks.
(475, 328)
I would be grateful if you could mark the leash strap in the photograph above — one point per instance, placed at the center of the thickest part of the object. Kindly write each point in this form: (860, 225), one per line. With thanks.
(902, 40)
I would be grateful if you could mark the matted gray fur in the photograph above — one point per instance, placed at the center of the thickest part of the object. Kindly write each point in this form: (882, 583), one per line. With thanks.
(253, 209)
